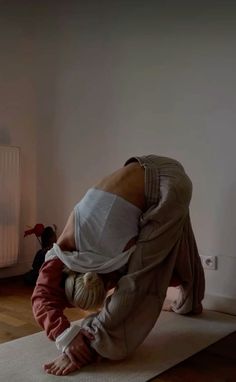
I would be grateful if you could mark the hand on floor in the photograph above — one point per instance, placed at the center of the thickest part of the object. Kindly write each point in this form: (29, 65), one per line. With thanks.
(167, 306)
(62, 365)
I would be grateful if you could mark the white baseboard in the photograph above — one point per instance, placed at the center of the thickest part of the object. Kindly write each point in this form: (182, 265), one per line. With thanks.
(214, 302)
(219, 303)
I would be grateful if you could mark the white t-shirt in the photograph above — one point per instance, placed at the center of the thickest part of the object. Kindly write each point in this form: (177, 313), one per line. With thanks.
(104, 224)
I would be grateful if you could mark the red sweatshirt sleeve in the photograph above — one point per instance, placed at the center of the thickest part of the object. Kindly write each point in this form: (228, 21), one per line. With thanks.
(49, 299)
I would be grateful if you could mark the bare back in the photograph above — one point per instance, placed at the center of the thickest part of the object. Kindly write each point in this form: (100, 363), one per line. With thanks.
(127, 182)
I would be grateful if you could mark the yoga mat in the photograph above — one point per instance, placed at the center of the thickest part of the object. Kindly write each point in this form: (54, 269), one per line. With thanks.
(173, 339)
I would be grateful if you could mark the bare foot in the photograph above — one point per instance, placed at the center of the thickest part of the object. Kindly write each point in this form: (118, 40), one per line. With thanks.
(167, 305)
(62, 365)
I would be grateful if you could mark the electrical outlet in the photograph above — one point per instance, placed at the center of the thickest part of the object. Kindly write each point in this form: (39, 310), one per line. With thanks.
(209, 262)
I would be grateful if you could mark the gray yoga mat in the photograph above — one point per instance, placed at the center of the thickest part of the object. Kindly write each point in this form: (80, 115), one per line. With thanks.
(173, 339)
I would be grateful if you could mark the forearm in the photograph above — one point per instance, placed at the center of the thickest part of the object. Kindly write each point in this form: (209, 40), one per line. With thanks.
(48, 304)
(49, 300)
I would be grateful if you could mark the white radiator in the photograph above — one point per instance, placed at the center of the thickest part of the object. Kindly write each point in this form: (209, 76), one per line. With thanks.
(9, 205)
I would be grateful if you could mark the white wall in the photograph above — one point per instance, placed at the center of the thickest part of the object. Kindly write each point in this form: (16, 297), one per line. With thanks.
(18, 117)
(120, 78)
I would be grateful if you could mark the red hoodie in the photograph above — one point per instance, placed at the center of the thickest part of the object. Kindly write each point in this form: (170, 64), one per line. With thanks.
(49, 299)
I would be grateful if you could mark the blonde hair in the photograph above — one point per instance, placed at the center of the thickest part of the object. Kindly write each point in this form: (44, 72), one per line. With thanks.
(85, 291)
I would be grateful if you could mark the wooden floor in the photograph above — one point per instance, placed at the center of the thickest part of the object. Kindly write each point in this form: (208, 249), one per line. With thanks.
(217, 363)
(16, 318)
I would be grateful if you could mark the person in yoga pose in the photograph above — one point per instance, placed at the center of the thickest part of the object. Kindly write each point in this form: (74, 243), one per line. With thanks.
(130, 234)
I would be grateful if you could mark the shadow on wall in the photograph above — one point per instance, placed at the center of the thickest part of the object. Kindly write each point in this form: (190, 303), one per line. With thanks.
(5, 138)
(226, 243)
(226, 236)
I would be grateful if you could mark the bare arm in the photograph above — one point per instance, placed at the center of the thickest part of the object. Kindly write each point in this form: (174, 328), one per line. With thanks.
(66, 240)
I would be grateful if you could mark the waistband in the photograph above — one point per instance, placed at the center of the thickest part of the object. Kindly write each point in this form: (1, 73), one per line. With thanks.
(160, 169)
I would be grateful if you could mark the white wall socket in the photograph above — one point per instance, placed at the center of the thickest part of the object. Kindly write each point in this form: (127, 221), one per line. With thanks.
(209, 262)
